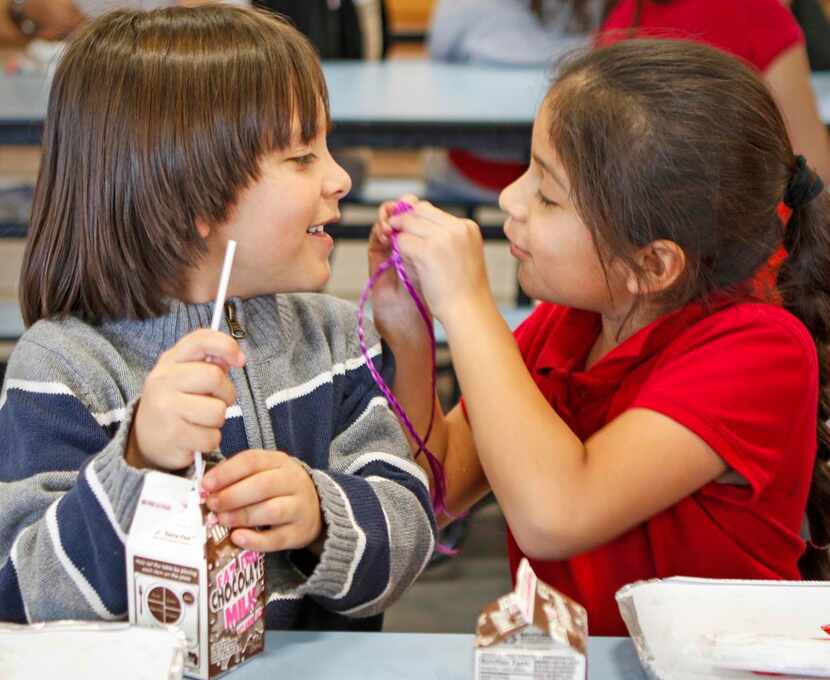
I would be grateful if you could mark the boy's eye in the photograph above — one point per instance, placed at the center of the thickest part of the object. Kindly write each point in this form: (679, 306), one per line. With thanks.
(545, 201)
(306, 159)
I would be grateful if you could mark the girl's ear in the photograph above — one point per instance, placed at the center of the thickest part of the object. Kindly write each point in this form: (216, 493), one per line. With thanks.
(203, 228)
(662, 263)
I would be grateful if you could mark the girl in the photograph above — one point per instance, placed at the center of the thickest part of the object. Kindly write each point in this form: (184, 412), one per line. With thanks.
(167, 134)
(651, 417)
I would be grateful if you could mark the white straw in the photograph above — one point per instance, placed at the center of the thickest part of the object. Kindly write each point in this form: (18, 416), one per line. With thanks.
(218, 308)
(223, 286)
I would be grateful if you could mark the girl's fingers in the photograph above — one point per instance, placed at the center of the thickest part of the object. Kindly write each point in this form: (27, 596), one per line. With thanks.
(199, 378)
(202, 344)
(387, 208)
(379, 237)
(410, 223)
(413, 248)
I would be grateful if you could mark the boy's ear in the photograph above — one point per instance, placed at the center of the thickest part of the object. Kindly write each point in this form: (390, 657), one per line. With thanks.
(662, 263)
(203, 228)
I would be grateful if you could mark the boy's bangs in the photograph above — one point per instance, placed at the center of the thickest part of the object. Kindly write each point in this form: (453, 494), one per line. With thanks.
(292, 106)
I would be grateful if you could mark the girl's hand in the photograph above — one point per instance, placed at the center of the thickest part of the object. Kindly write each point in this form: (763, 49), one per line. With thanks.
(447, 255)
(257, 488)
(394, 313)
(183, 403)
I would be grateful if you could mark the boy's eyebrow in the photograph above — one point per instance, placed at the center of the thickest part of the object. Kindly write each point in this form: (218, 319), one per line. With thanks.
(550, 171)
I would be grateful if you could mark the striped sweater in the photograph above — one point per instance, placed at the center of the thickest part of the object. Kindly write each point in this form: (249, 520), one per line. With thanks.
(67, 496)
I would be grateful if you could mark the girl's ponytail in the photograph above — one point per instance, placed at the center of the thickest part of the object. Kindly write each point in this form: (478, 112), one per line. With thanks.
(804, 285)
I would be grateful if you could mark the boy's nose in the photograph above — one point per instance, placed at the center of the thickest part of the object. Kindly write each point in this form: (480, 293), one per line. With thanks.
(338, 183)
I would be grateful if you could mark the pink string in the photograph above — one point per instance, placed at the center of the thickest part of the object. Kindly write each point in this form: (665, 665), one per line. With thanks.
(439, 492)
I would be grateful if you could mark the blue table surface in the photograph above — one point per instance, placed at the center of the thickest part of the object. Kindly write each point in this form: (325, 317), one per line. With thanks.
(391, 91)
(11, 323)
(404, 656)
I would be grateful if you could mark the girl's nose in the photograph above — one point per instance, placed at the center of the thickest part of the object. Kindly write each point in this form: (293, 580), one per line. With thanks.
(513, 200)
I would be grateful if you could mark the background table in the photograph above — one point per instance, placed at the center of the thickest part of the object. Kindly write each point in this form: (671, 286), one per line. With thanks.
(401, 656)
(11, 322)
(399, 103)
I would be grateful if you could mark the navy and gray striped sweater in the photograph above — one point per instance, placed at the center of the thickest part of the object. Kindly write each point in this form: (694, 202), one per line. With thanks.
(67, 496)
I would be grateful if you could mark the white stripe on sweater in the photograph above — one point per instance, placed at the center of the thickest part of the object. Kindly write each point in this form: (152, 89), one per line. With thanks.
(309, 386)
(89, 593)
(394, 461)
(373, 404)
(13, 558)
(33, 386)
(110, 417)
(385, 593)
(360, 548)
(104, 501)
(424, 562)
(279, 597)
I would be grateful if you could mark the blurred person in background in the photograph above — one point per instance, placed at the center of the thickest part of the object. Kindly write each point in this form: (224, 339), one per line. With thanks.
(511, 33)
(22, 21)
(762, 32)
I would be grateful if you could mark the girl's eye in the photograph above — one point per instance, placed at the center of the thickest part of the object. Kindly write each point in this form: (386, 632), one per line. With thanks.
(307, 159)
(545, 201)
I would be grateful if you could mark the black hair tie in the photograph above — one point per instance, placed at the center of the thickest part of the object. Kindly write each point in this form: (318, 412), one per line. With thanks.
(804, 185)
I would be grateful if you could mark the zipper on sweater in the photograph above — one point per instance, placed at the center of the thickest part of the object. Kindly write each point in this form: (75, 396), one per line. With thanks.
(230, 316)
(246, 400)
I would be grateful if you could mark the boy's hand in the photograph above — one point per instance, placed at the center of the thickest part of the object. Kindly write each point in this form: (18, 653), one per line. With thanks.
(183, 402)
(257, 488)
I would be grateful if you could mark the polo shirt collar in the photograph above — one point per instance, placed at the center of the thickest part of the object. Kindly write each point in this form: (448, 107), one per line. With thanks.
(578, 329)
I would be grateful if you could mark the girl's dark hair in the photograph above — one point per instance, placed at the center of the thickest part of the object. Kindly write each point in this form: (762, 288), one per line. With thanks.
(157, 120)
(666, 139)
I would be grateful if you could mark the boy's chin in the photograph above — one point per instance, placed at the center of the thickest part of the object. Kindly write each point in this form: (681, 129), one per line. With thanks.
(305, 284)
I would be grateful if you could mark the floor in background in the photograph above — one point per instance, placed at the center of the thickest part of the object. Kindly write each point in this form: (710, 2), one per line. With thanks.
(448, 597)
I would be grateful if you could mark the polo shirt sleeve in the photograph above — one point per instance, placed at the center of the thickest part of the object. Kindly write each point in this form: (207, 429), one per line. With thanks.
(746, 382)
(773, 30)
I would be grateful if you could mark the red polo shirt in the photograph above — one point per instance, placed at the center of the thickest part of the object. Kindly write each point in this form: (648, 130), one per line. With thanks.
(758, 31)
(745, 379)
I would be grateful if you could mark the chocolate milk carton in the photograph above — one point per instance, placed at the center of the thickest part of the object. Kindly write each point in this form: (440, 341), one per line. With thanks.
(533, 633)
(183, 570)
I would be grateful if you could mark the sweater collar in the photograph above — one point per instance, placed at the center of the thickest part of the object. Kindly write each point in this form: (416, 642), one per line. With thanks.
(259, 318)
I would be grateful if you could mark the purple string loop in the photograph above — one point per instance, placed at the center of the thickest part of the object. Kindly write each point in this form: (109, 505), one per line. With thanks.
(439, 491)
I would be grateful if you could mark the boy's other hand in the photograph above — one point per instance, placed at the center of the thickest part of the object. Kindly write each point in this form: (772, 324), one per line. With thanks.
(266, 489)
(183, 402)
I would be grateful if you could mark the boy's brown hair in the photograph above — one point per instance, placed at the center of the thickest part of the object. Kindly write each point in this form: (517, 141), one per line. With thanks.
(157, 120)
(667, 139)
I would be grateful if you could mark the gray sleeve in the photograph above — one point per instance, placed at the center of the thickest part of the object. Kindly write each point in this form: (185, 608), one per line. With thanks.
(375, 500)
(66, 493)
